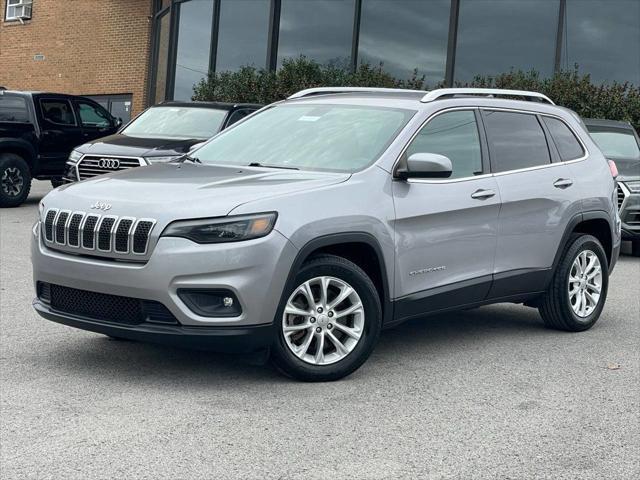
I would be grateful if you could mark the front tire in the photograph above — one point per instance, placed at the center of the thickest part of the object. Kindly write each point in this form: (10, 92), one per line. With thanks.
(15, 180)
(578, 291)
(328, 321)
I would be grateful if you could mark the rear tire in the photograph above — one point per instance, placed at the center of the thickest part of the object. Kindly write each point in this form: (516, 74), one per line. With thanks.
(578, 291)
(15, 180)
(635, 248)
(345, 340)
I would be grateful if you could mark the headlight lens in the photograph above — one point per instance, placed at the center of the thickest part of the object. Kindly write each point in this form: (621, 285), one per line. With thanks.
(634, 187)
(74, 156)
(221, 230)
(161, 159)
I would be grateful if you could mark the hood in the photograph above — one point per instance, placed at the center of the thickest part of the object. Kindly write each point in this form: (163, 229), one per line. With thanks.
(125, 145)
(167, 192)
(628, 168)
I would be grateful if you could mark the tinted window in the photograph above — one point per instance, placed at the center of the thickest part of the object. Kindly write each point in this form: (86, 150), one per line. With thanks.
(454, 135)
(603, 38)
(321, 30)
(177, 122)
(13, 109)
(495, 36)
(58, 112)
(194, 41)
(238, 115)
(617, 144)
(316, 137)
(516, 140)
(566, 142)
(243, 34)
(93, 115)
(405, 35)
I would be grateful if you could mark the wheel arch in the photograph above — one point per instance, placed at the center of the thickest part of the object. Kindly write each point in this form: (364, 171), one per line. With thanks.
(22, 149)
(596, 223)
(361, 248)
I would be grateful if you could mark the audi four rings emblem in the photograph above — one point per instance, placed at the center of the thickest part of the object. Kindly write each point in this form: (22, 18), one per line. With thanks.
(111, 163)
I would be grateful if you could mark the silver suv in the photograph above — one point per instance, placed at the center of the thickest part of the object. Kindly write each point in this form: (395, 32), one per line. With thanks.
(307, 228)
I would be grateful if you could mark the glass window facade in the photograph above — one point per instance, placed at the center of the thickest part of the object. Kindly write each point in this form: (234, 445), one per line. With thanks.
(321, 30)
(450, 40)
(496, 36)
(194, 46)
(603, 38)
(405, 36)
(243, 34)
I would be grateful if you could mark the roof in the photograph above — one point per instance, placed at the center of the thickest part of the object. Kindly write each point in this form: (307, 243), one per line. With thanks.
(216, 105)
(604, 123)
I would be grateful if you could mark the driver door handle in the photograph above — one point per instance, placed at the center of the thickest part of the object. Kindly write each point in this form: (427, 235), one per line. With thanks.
(563, 183)
(482, 194)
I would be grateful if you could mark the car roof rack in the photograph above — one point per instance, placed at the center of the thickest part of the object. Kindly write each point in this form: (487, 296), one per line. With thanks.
(328, 90)
(489, 92)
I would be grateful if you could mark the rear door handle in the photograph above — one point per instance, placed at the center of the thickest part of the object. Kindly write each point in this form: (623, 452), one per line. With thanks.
(482, 194)
(563, 183)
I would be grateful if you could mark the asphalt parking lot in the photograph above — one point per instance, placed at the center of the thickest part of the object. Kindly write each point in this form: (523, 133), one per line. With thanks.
(486, 393)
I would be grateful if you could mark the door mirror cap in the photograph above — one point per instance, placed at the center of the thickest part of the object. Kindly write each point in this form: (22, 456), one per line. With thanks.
(426, 165)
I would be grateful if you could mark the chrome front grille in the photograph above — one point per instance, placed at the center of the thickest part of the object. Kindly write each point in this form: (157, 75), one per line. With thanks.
(91, 165)
(621, 196)
(92, 234)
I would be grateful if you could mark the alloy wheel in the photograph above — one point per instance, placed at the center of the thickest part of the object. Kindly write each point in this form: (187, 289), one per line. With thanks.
(12, 181)
(323, 320)
(585, 283)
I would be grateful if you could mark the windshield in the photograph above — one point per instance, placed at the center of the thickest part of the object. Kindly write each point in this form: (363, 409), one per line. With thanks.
(340, 138)
(177, 122)
(617, 144)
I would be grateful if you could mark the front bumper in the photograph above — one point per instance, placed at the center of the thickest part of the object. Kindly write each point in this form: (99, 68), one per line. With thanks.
(221, 339)
(255, 271)
(630, 216)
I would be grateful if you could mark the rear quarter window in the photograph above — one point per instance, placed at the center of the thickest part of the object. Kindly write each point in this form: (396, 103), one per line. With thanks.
(566, 142)
(13, 109)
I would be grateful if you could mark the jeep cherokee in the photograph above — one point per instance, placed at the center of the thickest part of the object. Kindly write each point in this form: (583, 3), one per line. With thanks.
(307, 229)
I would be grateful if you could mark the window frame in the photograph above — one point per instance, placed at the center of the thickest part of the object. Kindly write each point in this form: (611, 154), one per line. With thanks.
(23, 3)
(76, 124)
(484, 149)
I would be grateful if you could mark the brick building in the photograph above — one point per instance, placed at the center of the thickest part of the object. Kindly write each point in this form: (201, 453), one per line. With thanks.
(86, 47)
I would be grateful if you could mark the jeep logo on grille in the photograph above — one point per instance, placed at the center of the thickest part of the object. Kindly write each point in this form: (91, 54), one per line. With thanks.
(101, 206)
(110, 163)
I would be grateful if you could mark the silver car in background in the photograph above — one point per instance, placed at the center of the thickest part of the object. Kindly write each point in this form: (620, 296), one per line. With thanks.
(307, 229)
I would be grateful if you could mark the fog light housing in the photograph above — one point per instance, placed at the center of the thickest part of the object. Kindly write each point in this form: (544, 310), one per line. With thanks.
(210, 302)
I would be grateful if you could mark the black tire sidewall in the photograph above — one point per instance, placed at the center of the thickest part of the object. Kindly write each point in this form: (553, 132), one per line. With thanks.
(585, 242)
(291, 365)
(10, 160)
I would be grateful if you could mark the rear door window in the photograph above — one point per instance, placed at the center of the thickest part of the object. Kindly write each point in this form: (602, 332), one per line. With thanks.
(13, 109)
(566, 142)
(516, 140)
(58, 112)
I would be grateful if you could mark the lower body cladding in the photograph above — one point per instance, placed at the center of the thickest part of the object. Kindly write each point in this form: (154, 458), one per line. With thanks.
(220, 297)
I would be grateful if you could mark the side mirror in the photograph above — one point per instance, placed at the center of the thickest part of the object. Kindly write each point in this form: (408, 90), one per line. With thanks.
(426, 165)
(118, 122)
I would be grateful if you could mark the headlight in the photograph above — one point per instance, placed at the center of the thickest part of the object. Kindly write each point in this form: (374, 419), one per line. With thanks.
(225, 229)
(162, 159)
(74, 156)
(634, 187)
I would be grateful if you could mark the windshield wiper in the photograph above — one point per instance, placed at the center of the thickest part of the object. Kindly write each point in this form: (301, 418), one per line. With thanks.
(186, 157)
(258, 164)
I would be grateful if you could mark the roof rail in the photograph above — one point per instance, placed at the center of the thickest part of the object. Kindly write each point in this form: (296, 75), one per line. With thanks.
(328, 90)
(491, 92)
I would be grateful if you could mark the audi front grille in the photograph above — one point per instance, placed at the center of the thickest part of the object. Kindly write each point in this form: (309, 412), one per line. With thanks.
(92, 234)
(91, 165)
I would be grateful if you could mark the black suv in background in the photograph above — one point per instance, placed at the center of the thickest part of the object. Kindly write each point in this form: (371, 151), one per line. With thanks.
(37, 132)
(160, 134)
(620, 142)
